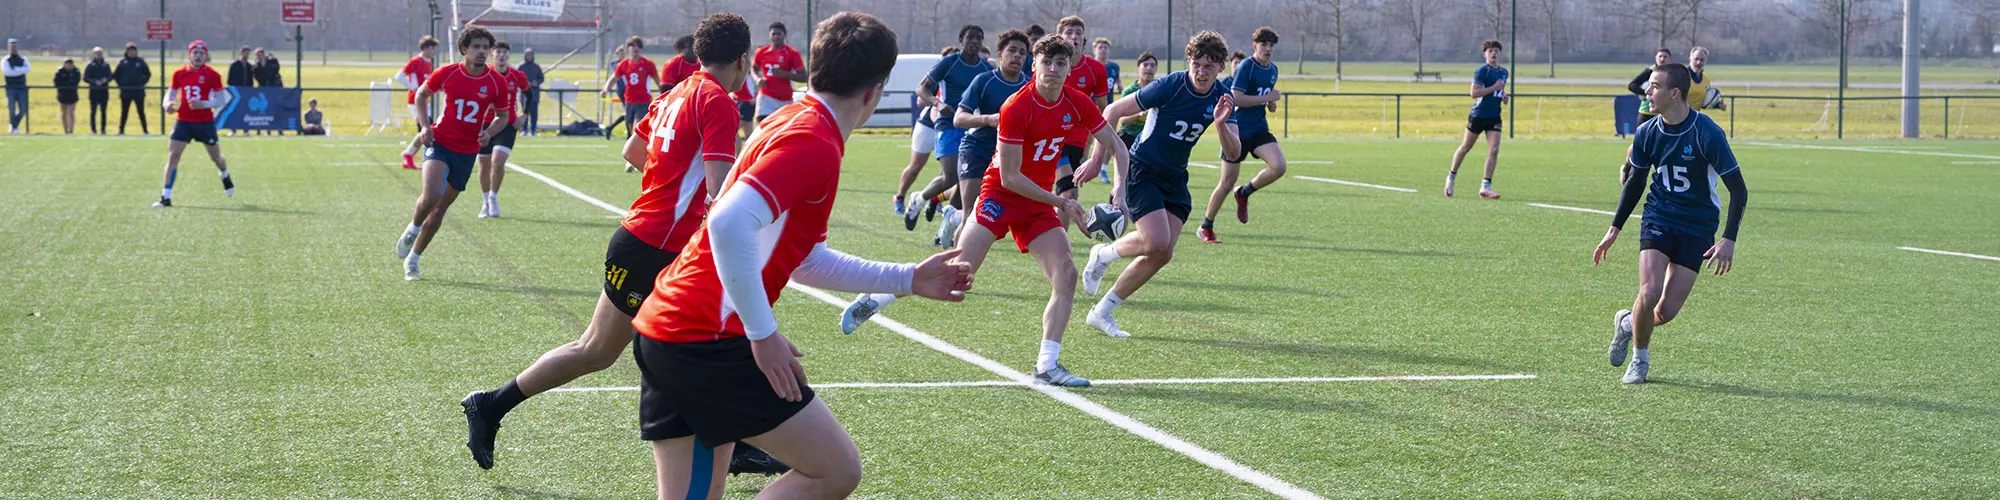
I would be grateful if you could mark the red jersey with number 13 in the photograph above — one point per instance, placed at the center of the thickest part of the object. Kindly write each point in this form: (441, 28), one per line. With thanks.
(193, 83)
(694, 123)
(469, 101)
(1041, 128)
(793, 165)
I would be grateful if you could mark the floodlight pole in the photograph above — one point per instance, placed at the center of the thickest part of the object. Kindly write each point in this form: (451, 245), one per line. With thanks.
(1912, 51)
(163, 68)
(1840, 110)
(1513, 49)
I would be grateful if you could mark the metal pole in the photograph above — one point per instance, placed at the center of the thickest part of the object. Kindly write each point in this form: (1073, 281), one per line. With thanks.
(164, 76)
(810, 25)
(1288, 118)
(1947, 117)
(1732, 117)
(1399, 115)
(298, 56)
(1912, 51)
(1170, 36)
(1840, 112)
(1513, 35)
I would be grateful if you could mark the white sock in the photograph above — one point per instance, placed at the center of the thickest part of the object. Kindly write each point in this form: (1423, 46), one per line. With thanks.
(413, 258)
(1047, 360)
(1628, 322)
(166, 192)
(1451, 177)
(882, 299)
(1107, 304)
(1106, 254)
(412, 150)
(1642, 355)
(225, 173)
(412, 229)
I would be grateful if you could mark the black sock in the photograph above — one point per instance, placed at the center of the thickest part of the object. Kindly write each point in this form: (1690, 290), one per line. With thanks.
(1208, 224)
(502, 400)
(1246, 189)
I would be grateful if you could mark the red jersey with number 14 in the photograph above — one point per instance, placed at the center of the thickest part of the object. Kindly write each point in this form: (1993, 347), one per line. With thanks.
(1041, 128)
(195, 83)
(793, 164)
(694, 123)
(469, 102)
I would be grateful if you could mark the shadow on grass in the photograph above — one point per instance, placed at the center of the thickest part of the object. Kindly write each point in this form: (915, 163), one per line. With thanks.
(512, 492)
(524, 290)
(1355, 355)
(254, 209)
(1849, 399)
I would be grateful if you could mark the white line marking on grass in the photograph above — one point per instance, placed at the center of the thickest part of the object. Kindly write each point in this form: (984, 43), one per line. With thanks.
(1954, 254)
(1579, 209)
(566, 189)
(1311, 162)
(1204, 165)
(1155, 381)
(1976, 163)
(1203, 455)
(1859, 149)
(1361, 184)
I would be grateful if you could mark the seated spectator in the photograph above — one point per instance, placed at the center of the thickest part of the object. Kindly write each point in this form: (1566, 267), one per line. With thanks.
(315, 123)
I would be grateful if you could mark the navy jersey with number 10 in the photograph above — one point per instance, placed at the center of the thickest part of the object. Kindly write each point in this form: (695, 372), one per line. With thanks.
(1253, 79)
(1687, 162)
(1176, 116)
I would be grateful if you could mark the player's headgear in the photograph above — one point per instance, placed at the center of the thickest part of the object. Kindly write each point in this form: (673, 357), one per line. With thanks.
(197, 44)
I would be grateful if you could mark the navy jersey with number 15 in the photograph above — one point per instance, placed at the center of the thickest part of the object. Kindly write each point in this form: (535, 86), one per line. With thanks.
(1687, 162)
(1176, 116)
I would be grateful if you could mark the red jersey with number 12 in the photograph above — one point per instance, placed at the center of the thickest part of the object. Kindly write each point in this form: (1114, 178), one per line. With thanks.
(694, 123)
(793, 164)
(469, 101)
(194, 83)
(1040, 128)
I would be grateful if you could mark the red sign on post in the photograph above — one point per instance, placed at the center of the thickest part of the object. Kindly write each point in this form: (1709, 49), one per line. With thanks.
(159, 29)
(298, 11)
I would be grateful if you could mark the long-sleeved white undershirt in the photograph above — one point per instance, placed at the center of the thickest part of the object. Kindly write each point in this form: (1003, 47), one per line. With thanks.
(733, 226)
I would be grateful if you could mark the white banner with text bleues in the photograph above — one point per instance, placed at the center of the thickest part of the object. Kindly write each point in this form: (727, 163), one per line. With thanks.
(551, 8)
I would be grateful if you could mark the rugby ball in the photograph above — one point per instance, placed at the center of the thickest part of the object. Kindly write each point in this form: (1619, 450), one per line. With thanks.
(1713, 99)
(1104, 222)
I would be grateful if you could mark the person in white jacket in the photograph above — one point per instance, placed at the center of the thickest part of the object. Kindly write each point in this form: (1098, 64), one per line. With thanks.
(15, 68)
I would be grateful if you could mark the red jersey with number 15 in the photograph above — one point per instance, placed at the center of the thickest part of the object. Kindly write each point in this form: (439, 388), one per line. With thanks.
(694, 123)
(469, 101)
(1041, 128)
(793, 164)
(196, 83)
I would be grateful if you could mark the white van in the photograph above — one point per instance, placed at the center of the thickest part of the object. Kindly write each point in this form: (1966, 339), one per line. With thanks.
(899, 97)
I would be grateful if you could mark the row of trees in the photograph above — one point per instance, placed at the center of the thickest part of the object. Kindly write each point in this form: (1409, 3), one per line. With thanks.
(1549, 31)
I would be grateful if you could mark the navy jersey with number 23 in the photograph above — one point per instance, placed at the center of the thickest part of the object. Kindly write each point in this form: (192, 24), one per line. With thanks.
(1176, 116)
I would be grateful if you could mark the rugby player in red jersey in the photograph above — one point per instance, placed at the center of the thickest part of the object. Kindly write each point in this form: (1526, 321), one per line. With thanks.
(475, 109)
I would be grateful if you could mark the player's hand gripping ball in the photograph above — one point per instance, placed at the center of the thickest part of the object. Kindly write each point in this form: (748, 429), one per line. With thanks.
(1105, 222)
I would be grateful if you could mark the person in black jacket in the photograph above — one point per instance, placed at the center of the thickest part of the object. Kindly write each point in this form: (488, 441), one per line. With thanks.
(97, 74)
(132, 76)
(531, 100)
(267, 75)
(242, 73)
(67, 77)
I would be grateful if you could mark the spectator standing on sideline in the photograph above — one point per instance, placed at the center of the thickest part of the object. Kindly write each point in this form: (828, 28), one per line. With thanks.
(132, 76)
(16, 70)
(532, 99)
(242, 73)
(267, 74)
(98, 75)
(315, 123)
(66, 80)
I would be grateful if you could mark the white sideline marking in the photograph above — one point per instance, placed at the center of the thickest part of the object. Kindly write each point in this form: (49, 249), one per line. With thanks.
(566, 189)
(1212, 459)
(1579, 209)
(1954, 254)
(1361, 184)
(1204, 165)
(1976, 163)
(1871, 150)
(1154, 381)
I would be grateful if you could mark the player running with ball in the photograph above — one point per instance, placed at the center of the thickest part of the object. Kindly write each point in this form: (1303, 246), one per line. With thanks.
(1687, 154)
(1017, 198)
(1178, 107)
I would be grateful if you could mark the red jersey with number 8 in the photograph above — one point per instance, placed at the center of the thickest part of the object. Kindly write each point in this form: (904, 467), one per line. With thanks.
(195, 84)
(694, 123)
(469, 101)
(1040, 128)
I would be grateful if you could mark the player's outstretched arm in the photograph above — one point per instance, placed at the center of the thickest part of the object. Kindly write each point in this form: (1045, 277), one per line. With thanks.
(938, 277)
(1121, 158)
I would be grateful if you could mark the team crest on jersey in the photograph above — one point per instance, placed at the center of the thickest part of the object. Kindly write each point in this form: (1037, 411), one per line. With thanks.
(482, 91)
(633, 299)
(1687, 152)
(1066, 123)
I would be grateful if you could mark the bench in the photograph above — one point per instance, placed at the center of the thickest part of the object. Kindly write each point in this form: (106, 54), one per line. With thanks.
(1433, 75)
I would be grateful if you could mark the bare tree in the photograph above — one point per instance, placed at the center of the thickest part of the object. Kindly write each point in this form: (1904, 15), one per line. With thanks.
(1316, 20)
(1551, 12)
(1413, 16)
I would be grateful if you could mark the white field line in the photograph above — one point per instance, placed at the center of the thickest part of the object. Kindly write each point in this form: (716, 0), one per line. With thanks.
(1155, 381)
(1212, 459)
(1989, 162)
(1579, 209)
(1204, 165)
(1954, 254)
(1860, 149)
(1360, 184)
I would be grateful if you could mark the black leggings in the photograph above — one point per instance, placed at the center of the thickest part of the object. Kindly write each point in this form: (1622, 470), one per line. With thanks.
(127, 101)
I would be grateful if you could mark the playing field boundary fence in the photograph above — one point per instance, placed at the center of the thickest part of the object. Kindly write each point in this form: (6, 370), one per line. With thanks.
(1299, 115)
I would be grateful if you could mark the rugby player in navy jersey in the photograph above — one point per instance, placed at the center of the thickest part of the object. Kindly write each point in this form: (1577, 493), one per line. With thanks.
(1688, 156)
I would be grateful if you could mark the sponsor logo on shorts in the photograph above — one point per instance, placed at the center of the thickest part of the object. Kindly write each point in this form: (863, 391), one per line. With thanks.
(615, 276)
(990, 210)
(632, 299)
